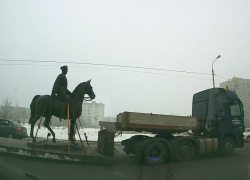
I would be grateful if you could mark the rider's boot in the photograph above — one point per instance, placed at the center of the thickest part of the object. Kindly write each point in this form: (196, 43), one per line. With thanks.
(64, 109)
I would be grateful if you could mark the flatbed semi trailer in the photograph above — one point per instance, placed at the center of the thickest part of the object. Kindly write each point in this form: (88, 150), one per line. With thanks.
(216, 125)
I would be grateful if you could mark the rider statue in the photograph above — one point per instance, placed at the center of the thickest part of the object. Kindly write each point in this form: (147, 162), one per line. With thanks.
(60, 87)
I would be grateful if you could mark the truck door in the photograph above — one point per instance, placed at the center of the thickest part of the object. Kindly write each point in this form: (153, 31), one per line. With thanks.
(237, 117)
(230, 118)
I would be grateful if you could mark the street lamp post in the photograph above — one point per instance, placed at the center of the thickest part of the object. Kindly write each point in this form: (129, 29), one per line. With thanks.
(213, 69)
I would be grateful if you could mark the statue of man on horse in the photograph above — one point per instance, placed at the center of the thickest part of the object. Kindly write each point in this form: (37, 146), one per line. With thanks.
(42, 106)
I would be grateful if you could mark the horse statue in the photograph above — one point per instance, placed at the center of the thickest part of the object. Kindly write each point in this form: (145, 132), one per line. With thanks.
(41, 106)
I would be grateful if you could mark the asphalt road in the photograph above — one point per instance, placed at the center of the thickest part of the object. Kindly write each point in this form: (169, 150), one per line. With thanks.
(210, 167)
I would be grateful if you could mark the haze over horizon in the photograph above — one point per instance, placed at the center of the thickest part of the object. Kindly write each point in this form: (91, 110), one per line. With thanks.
(172, 35)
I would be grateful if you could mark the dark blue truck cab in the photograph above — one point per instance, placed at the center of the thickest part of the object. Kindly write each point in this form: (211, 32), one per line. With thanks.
(220, 114)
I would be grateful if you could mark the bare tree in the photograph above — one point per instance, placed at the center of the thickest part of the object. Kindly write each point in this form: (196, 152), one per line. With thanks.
(16, 112)
(23, 113)
(6, 109)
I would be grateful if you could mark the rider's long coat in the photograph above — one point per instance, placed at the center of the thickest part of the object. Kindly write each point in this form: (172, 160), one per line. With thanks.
(60, 87)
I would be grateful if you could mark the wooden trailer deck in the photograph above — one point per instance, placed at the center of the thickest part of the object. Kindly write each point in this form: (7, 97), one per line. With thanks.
(131, 121)
(49, 150)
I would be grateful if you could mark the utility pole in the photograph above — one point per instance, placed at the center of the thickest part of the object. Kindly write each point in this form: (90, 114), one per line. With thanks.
(213, 69)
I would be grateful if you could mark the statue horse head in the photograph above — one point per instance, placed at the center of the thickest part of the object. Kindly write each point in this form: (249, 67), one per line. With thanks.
(82, 89)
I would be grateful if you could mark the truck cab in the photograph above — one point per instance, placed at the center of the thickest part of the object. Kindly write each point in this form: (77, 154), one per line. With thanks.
(219, 113)
(217, 124)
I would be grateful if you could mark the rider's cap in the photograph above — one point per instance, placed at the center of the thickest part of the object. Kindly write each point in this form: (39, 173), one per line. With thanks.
(64, 67)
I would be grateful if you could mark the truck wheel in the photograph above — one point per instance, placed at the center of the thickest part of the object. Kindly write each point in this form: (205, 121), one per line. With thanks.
(133, 138)
(185, 151)
(138, 137)
(138, 153)
(131, 142)
(155, 153)
(227, 146)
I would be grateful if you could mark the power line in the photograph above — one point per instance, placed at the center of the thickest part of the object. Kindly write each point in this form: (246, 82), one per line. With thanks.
(109, 65)
(115, 70)
(221, 77)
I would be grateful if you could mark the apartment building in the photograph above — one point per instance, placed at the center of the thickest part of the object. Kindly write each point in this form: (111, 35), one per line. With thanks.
(92, 113)
(242, 88)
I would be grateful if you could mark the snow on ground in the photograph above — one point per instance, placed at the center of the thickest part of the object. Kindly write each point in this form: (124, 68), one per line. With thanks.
(62, 133)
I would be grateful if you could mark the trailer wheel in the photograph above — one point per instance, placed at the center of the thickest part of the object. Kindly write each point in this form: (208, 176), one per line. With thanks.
(185, 151)
(155, 153)
(227, 146)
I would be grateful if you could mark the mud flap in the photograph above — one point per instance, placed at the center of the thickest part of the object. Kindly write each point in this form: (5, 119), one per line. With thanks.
(105, 142)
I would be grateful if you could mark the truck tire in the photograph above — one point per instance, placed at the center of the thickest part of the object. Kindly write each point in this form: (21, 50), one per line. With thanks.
(227, 146)
(184, 151)
(131, 142)
(138, 153)
(155, 153)
(138, 137)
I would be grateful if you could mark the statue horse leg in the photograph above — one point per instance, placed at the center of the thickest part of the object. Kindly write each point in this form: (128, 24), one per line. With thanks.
(33, 122)
(72, 129)
(46, 124)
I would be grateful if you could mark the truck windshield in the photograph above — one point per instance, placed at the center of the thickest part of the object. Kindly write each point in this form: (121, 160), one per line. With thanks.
(229, 107)
(235, 110)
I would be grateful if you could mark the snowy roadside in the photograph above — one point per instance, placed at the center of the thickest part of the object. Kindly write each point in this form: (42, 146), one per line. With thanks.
(62, 133)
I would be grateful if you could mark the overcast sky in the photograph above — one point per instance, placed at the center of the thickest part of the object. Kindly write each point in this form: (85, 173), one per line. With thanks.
(171, 35)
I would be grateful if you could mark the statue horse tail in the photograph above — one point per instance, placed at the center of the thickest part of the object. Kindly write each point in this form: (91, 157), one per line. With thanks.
(32, 107)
